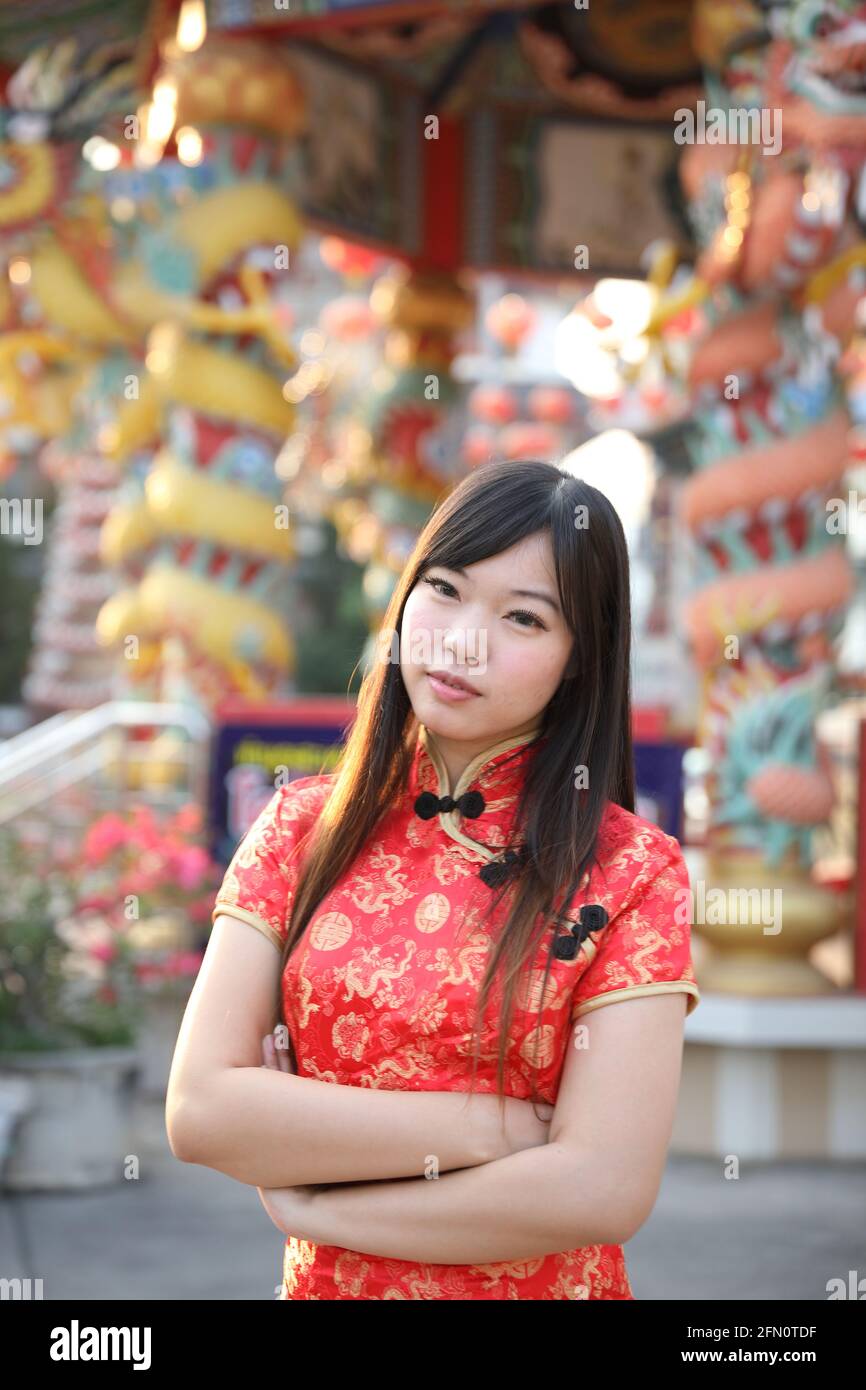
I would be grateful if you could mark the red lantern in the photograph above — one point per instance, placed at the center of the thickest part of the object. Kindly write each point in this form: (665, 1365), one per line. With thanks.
(509, 320)
(654, 397)
(552, 404)
(479, 445)
(348, 258)
(349, 319)
(683, 324)
(528, 440)
(495, 405)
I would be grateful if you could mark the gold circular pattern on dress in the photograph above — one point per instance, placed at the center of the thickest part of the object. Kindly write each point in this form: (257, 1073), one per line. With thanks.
(544, 1039)
(432, 912)
(529, 991)
(330, 932)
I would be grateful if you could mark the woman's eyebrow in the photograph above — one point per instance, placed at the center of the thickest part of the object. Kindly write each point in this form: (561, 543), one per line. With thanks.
(536, 593)
(520, 593)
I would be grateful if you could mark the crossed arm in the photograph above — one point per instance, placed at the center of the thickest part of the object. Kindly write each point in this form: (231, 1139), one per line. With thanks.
(531, 1203)
(594, 1182)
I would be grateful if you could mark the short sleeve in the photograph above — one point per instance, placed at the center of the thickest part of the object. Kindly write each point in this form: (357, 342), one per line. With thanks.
(259, 883)
(645, 949)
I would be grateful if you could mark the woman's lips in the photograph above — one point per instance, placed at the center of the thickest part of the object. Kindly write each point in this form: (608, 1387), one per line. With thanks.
(451, 693)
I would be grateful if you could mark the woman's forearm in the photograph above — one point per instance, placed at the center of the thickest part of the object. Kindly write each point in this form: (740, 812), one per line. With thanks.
(536, 1202)
(276, 1129)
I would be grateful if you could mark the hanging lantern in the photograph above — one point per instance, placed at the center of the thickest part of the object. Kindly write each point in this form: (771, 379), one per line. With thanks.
(479, 445)
(348, 258)
(509, 320)
(526, 439)
(495, 405)
(553, 405)
(349, 318)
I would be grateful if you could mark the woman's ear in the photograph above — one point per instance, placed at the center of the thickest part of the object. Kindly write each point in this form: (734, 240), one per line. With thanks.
(571, 666)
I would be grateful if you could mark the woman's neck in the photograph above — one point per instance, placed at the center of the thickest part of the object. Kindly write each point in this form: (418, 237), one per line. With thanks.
(457, 754)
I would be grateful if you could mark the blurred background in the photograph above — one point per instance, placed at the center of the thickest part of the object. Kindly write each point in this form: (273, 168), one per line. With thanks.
(272, 280)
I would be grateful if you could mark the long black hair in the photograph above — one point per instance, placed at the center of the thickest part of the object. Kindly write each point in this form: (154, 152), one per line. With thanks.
(585, 725)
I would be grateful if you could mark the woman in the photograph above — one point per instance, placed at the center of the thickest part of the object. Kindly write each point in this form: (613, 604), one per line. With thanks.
(451, 910)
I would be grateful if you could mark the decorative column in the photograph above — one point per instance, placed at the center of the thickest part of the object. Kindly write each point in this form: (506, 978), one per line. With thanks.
(770, 444)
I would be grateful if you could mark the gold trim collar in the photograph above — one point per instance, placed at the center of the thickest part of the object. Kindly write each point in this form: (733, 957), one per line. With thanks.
(450, 820)
(469, 773)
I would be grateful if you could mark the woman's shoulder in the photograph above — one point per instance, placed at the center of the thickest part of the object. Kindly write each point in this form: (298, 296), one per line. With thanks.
(301, 799)
(274, 838)
(635, 850)
(643, 887)
(619, 826)
(260, 879)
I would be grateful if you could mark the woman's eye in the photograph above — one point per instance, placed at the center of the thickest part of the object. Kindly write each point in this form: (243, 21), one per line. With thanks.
(533, 618)
(525, 613)
(434, 582)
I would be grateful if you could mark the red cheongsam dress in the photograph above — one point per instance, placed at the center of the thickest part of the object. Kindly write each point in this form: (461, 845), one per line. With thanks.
(380, 989)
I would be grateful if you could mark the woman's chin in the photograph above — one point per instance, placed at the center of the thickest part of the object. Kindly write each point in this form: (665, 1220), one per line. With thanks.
(434, 711)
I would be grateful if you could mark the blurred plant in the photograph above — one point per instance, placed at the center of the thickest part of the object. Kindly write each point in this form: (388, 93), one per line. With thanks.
(138, 865)
(91, 926)
(154, 880)
(57, 989)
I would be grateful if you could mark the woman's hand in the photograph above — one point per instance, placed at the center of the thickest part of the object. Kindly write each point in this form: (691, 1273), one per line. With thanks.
(278, 1058)
(289, 1209)
(520, 1124)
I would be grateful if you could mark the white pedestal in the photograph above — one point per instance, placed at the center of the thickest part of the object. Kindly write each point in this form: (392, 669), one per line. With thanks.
(774, 1078)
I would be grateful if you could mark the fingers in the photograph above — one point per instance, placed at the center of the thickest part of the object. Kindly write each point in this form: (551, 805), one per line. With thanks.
(277, 1058)
(283, 1050)
(269, 1054)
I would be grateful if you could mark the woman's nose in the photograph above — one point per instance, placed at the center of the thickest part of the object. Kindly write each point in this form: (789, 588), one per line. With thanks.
(465, 645)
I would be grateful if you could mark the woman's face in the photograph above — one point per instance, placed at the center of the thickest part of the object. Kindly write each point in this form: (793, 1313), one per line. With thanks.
(511, 647)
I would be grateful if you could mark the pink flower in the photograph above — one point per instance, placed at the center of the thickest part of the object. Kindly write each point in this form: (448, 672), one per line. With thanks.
(183, 963)
(144, 830)
(103, 837)
(146, 970)
(188, 820)
(96, 902)
(136, 882)
(191, 866)
(104, 953)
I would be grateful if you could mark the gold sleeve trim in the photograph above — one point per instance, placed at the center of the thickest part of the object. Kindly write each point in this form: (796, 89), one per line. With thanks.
(638, 991)
(266, 928)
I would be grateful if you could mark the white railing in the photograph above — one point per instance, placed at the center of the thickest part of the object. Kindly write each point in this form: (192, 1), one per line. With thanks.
(96, 748)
